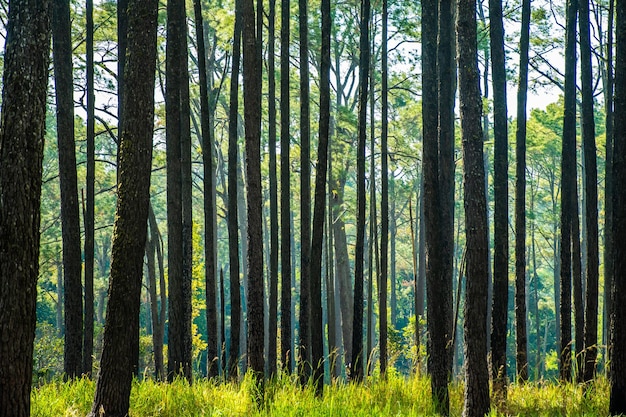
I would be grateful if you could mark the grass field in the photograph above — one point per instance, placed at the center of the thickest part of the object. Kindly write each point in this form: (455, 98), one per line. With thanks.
(397, 396)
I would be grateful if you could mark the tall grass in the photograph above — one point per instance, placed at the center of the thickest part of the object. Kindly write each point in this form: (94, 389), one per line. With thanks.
(395, 396)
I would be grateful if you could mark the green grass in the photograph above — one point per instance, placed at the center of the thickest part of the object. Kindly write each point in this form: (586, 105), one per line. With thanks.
(397, 396)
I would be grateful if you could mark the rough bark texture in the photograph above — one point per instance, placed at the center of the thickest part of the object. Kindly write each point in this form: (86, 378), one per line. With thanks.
(25, 83)
(129, 234)
(568, 184)
(273, 271)
(476, 401)
(446, 86)
(356, 367)
(285, 193)
(70, 218)
(252, 116)
(319, 211)
(209, 201)
(233, 224)
(304, 351)
(157, 309)
(384, 198)
(521, 359)
(89, 215)
(179, 301)
(591, 201)
(617, 347)
(438, 359)
(500, 301)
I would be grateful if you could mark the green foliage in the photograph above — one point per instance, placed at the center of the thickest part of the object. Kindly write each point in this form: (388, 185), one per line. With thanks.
(395, 396)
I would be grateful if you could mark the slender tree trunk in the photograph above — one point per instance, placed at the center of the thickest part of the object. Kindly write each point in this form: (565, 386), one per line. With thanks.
(384, 202)
(319, 213)
(617, 346)
(122, 41)
(568, 181)
(233, 224)
(438, 359)
(591, 192)
(356, 368)
(446, 83)
(285, 192)
(304, 368)
(209, 201)
(521, 348)
(608, 183)
(476, 401)
(500, 301)
(252, 118)
(273, 261)
(129, 235)
(24, 89)
(70, 218)
(157, 313)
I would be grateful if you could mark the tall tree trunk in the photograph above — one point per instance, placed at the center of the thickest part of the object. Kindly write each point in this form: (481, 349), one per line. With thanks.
(608, 183)
(521, 348)
(356, 368)
(476, 402)
(438, 359)
(90, 200)
(157, 311)
(568, 181)
(319, 210)
(617, 346)
(131, 220)
(446, 84)
(591, 192)
(342, 269)
(25, 83)
(233, 224)
(273, 264)
(500, 301)
(122, 41)
(384, 202)
(285, 193)
(304, 367)
(209, 201)
(179, 329)
(70, 218)
(252, 119)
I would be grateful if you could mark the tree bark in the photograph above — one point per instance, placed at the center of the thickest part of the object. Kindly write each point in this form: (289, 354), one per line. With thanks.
(521, 348)
(438, 359)
(476, 400)
(285, 192)
(273, 262)
(500, 302)
(591, 192)
(129, 235)
(304, 367)
(209, 201)
(384, 202)
(233, 224)
(319, 210)
(25, 83)
(356, 367)
(568, 184)
(89, 214)
(70, 218)
(252, 118)
(179, 329)
(617, 347)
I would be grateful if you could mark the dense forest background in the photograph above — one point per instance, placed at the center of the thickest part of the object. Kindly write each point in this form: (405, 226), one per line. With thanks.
(336, 190)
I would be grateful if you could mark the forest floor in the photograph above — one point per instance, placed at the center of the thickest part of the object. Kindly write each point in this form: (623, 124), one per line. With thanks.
(397, 396)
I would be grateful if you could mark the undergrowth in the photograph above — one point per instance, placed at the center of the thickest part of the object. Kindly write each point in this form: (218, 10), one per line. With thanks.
(395, 396)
